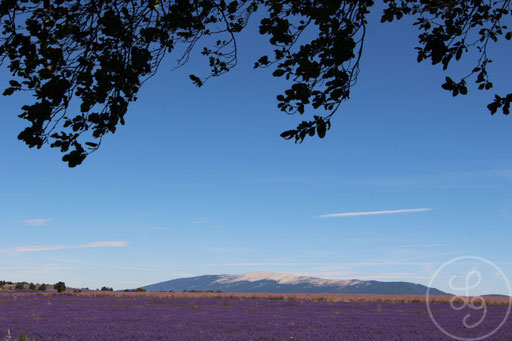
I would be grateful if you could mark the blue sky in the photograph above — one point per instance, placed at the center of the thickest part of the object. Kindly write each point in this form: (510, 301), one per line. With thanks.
(198, 181)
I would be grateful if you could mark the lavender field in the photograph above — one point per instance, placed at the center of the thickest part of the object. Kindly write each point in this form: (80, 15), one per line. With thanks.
(86, 317)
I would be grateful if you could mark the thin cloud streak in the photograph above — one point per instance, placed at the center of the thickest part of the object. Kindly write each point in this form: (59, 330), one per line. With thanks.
(39, 248)
(37, 221)
(352, 214)
(353, 275)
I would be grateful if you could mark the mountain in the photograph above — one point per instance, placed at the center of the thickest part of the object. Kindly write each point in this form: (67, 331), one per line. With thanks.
(271, 282)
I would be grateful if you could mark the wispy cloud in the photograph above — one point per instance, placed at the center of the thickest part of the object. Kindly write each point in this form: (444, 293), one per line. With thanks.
(393, 276)
(283, 180)
(361, 276)
(256, 264)
(38, 248)
(226, 249)
(37, 221)
(413, 246)
(324, 274)
(352, 214)
(503, 173)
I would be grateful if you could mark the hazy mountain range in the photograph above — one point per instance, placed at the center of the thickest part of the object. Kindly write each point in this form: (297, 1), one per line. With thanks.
(271, 282)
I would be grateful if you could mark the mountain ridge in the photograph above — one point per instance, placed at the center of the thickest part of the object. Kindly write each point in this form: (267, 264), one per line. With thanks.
(271, 282)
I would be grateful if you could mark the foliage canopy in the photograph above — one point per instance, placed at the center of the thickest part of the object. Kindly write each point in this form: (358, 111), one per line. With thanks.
(98, 53)
(60, 286)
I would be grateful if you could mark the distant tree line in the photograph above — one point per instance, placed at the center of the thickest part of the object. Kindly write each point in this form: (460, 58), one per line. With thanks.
(135, 290)
(59, 286)
(2, 283)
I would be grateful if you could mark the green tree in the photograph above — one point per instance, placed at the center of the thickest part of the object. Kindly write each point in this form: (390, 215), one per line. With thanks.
(42, 287)
(32, 286)
(19, 286)
(98, 54)
(60, 286)
(106, 289)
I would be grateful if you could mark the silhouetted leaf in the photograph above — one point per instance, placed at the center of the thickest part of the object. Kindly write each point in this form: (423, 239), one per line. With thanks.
(278, 73)
(196, 80)
(321, 130)
(8, 91)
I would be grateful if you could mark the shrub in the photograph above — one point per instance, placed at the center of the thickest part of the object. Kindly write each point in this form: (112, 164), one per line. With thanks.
(32, 286)
(42, 287)
(106, 289)
(60, 286)
(140, 290)
(19, 286)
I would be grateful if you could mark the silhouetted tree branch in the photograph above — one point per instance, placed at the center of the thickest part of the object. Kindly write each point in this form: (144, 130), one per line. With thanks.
(85, 61)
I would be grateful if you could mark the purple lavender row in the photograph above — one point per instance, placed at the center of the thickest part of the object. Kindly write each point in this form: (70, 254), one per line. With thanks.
(146, 318)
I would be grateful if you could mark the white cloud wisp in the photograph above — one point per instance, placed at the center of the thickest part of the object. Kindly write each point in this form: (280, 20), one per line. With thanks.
(352, 214)
(37, 221)
(38, 248)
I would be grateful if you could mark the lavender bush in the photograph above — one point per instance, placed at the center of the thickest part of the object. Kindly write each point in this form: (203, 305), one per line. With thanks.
(64, 317)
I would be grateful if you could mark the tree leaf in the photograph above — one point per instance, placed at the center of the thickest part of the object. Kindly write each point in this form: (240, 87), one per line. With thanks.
(278, 73)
